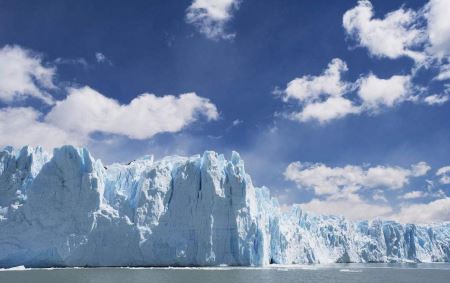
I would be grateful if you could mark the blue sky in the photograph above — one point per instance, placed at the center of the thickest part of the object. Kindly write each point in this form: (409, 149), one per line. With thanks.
(358, 132)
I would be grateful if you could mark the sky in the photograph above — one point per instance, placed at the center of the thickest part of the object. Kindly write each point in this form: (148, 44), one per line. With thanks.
(340, 106)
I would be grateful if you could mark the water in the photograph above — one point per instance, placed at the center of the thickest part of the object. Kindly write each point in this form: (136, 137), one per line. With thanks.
(280, 274)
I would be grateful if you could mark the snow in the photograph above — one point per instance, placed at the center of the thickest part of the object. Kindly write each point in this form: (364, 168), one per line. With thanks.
(67, 209)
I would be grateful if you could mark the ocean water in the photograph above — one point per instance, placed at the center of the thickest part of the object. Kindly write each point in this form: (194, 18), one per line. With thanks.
(439, 272)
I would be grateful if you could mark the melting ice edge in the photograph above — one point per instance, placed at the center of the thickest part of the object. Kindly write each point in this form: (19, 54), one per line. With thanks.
(67, 209)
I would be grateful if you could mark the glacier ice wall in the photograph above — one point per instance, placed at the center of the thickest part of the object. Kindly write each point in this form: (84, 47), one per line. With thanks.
(67, 209)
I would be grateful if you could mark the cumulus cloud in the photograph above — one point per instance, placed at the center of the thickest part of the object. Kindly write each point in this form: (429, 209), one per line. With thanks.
(330, 109)
(101, 58)
(420, 169)
(211, 16)
(72, 61)
(338, 191)
(432, 212)
(393, 36)
(327, 97)
(436, 99)
(379, 196)
(417, 34)
(438, 27)
(236, 122)
(86, 111)
(444, 175)
(356, 208)
(353, 208)
(321, 96)
(422, 35)
(414, 195)
(326, 180)
(444, 72)
(24, 126)
(22, 75)
(376, 93)
(313, 88)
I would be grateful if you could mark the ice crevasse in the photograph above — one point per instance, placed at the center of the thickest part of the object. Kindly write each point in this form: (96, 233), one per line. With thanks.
(67, 209)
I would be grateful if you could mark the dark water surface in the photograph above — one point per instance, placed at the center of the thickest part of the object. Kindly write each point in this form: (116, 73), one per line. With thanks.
(282, 274)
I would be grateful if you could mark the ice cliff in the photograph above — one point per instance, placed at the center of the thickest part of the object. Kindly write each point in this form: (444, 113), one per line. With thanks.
(67, 209)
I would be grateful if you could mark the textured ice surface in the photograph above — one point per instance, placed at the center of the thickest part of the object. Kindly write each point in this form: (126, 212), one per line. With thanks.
(67, 209)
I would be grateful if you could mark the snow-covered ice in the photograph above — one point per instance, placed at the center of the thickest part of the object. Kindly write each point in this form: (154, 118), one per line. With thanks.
(67, 209)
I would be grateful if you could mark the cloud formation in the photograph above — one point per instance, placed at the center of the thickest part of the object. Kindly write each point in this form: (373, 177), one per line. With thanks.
(312, 88)
(422, 35)
(393, 36)
(436, 99)
(377, 93)
(438, 27)
(211, 16)
(102, 59)
(338, 191)
(414, 195)
(327, 97)
(84, 111)
(326, 180)
(322, 96)
(23, 74)
(444, 175)
(433, 212)
(352, 207)
(21, 126)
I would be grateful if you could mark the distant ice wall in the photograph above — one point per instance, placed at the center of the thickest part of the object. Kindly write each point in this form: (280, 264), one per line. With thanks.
(67, 209)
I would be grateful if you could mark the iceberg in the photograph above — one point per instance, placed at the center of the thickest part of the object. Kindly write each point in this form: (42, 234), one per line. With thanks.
(68, 209)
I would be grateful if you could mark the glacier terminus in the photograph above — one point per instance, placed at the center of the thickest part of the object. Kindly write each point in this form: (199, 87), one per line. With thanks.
(67, 209)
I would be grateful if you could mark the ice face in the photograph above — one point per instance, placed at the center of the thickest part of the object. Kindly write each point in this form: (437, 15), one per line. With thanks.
(67, 209)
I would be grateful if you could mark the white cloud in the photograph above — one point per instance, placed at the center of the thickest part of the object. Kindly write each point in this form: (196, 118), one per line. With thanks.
(379, 196)
(420, 34)
(23, 126)
(72, 61)
(432, 212)
(101, 58)
(211, 17)
(376, 93)
(444, 71)
(337, 190)
(444, 175)
(237, 122)
(413, 195)
(436, 99)
(423, 35)
(420, 169)
(356, 208)
(327, 97)
(326, 180)
(22, 75)
(86, 111)
(330, 109)
(321, 96)
(353, 208)
(312, 88)
(438, 27)
(393, 36)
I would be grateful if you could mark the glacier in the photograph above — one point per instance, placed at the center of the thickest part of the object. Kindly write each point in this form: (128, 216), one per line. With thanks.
(68, 209)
